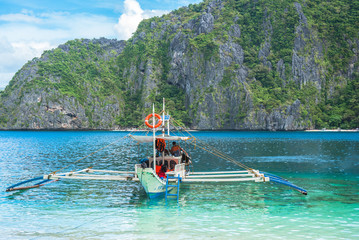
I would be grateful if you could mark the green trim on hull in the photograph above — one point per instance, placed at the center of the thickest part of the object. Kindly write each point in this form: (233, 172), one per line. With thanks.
(153, 185)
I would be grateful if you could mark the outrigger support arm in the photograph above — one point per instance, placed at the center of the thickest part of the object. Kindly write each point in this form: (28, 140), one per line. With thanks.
(277, 179)
(84, 174)
(36, 185)
(89, 174)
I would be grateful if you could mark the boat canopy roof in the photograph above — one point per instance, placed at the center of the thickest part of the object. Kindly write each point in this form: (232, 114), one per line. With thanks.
(149, 139)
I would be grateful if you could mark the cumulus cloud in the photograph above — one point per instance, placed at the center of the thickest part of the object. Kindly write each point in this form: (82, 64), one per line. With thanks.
(14, 55)
(26, 35)
(5, 46)
(132, 16)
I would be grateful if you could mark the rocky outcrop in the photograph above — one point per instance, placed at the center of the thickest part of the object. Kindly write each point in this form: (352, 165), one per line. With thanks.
(306, 49)
(224, 107)
(287, 119)
(26, 107)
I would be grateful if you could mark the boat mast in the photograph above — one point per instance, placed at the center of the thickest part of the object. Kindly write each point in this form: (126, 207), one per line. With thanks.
(163, 118)
(168, 124)
(163, 129)
(154, 138)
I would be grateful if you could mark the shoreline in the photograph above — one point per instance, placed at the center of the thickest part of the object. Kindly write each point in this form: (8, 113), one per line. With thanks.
(332, 130)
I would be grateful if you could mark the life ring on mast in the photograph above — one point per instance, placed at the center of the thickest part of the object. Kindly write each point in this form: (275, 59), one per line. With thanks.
(159, 120)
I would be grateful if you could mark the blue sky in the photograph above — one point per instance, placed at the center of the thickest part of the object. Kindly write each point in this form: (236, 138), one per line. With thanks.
(28, 27)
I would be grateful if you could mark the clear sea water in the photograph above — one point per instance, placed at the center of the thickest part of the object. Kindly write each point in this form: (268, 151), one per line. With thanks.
(326, 164)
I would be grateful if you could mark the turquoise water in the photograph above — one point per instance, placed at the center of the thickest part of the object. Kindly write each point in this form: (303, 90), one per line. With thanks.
(326, 164)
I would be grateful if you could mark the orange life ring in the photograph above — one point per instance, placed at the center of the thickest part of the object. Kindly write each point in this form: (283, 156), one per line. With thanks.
(159, 120)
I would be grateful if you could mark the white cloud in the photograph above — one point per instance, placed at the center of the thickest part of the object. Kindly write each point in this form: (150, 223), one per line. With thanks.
(5, 46)
(30, 49)
(4, 76)
(26, 34)
(132, 16)
(19, 17)
(59, 27)
(14, 55)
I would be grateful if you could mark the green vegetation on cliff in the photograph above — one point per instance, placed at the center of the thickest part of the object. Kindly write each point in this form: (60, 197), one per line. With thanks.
(220, 61)
(342, 110)
(78, 71)
(335, 22)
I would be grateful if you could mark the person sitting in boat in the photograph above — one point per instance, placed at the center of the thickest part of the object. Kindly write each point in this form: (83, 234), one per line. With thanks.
(176, 150)
(162, 173)
(158, 166)
(172, 165)
(166, 152)
(186, 158)
(144, 163)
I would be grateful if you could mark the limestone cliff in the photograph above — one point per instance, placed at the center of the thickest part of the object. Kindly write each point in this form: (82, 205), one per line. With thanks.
(39, 98)
(221, 64)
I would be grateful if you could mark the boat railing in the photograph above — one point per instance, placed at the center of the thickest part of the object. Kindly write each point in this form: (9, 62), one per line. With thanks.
(167, 159)
(180, 169)
(136, 167)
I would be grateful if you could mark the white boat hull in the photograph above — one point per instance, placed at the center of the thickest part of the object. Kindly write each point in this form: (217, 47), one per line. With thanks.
(153, 185)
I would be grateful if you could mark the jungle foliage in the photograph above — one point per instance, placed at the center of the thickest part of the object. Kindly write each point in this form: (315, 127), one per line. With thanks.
(84, 71)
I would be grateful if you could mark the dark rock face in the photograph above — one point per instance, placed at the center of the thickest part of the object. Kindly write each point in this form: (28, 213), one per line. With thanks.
(206, 23)
(304, 67)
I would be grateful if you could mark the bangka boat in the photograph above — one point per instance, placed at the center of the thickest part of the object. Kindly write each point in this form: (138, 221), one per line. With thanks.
(162, 173)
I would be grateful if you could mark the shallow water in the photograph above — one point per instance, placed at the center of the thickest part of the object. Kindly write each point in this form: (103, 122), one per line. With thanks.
(326, 164)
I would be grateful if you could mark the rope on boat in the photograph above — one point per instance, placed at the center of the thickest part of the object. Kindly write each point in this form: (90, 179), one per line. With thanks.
(272, 177)
(213, 150)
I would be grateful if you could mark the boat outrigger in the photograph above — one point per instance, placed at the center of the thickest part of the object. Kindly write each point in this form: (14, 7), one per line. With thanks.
(163, 172)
